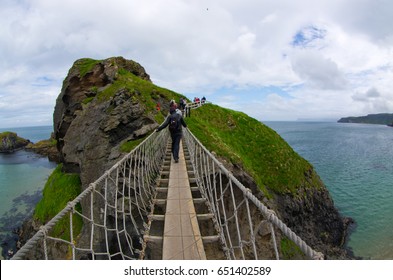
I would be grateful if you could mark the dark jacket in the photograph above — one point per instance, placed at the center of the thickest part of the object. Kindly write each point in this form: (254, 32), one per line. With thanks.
(173, 114)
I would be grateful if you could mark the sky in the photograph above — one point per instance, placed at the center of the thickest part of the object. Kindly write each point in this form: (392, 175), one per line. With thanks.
(273, 60)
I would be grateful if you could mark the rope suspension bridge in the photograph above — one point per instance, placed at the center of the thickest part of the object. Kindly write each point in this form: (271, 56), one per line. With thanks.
(148, 207)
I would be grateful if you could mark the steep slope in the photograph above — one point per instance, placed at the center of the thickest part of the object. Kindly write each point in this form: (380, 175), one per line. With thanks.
(267, 165)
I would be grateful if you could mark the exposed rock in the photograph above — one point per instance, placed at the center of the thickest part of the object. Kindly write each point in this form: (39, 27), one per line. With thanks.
(310, 213)
(45, 148)
(86, 134)
(10, 142)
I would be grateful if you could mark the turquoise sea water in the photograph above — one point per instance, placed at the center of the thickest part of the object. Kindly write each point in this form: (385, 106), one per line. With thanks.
(22, 177)
(355, 161)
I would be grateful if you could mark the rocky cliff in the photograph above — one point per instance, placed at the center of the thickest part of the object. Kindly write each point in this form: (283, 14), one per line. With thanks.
(99, 108)
(10, 142)
(103, 106)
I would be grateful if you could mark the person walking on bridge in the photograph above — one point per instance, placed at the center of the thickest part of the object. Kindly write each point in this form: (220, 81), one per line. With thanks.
(175, 122)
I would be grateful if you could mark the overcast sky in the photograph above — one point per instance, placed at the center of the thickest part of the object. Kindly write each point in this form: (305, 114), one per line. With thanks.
(273, 60)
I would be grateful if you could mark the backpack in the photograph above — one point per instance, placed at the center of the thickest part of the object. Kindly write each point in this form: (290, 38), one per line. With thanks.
(174, 122)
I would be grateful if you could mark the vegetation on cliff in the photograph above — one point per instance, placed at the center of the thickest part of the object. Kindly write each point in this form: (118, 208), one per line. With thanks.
(59, 189)
(46, 148)
(244, 141)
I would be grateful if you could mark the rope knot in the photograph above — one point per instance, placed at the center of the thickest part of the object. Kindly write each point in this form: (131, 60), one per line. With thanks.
(318, 256)
(44, 230)
(270, 215)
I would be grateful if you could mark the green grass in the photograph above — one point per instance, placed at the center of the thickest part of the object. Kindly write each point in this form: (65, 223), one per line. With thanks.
(6, 134)
(128, 146)
(85, 65)
(9, 138)
(140, 90)
(58, 191)
(290, 251)
(247, 142)
(43, 144)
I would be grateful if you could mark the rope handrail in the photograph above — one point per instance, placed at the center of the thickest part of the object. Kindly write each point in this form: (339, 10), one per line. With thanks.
(119, 203)
(218, 185)
(195, 105)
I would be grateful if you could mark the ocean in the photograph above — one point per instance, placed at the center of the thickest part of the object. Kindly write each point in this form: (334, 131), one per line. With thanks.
(355, 161)
(22, 178)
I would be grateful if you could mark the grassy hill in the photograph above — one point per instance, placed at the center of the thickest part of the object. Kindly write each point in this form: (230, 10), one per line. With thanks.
(260, 150)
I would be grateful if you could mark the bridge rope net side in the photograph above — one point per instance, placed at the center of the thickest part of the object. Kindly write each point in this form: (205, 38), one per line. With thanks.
(232, 203)
(116, 209)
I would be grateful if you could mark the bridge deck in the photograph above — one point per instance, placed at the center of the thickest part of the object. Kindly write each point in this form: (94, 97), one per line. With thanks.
(182, 237)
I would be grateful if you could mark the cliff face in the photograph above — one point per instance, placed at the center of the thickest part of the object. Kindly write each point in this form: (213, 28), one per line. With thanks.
(310, 213)
(93, 115)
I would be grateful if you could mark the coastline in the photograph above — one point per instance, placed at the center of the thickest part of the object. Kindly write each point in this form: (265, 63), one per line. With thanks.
(26, 169)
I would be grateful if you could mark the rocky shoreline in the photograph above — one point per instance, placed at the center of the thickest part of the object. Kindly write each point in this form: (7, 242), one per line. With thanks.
(10, 142)
(45, 148)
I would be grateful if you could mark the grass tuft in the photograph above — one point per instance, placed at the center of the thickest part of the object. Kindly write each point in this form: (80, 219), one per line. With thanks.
(58, 191)
(85, 65)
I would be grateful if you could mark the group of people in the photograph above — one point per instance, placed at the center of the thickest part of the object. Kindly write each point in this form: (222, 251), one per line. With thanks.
(197, 100)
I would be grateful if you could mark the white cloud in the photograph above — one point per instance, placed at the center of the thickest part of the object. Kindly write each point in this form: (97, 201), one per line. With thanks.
(317, 71)
(320, 53)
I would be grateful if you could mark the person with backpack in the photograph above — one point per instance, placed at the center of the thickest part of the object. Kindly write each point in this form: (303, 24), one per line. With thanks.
(175, 122)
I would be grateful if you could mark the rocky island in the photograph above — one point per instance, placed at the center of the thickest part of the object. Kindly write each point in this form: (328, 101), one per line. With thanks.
(11, 142)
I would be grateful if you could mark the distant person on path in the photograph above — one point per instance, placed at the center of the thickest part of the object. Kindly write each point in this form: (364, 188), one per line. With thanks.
(175, 122)
(203, 100)
(188, 111)
(182, 104)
